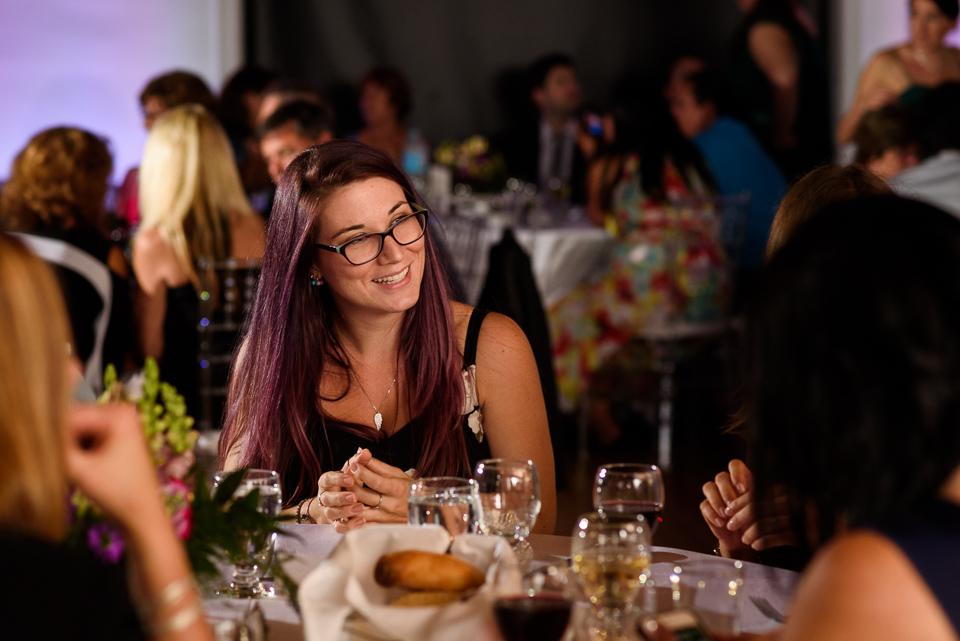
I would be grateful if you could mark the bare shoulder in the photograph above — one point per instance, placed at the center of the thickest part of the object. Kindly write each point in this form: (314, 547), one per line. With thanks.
(248, 235)
(859, 587)
(499, 334)
(150, 249)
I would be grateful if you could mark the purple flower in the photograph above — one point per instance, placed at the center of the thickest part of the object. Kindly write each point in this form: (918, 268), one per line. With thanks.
(105, 542)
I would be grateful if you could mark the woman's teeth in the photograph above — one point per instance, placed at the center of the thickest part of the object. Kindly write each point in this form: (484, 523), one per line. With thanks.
(389, 280)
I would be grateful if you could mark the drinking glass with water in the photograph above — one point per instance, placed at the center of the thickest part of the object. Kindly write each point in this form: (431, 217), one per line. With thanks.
(450, 501)
(259, 545)
(509, 497)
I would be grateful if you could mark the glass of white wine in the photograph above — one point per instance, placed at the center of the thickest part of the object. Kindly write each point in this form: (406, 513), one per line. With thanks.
(450, 501)
(259, 546)
(611, 562)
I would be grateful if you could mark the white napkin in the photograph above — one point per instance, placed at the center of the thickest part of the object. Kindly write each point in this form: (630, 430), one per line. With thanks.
(345, 583)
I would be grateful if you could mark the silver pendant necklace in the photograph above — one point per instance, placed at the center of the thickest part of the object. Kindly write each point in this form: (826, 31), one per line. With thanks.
(377, 416)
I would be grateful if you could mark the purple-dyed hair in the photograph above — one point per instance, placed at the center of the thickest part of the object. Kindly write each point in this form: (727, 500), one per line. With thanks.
(274, 387)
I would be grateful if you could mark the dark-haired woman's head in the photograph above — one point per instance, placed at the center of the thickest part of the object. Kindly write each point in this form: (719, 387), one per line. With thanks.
(384, 95)
(333, 194)
(931, 21)
(853, 355)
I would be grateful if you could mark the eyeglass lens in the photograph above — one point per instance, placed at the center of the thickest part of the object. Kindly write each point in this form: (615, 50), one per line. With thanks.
(365, 249)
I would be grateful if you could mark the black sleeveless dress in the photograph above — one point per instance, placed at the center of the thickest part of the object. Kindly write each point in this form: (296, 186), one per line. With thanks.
(402, 448)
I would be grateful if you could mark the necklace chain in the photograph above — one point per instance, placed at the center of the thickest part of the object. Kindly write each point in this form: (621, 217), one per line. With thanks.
(377, 416)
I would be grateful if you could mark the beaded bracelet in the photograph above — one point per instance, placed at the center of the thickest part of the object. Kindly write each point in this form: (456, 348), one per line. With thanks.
(177, 621)
(300, 516)
(167, 596)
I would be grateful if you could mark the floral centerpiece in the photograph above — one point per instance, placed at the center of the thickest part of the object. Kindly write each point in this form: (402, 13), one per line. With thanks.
(212, 527)
(474, 163)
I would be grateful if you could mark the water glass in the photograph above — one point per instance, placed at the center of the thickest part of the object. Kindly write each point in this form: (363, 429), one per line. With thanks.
(611, 562)
(249, 568)
(713, 588)
(631, 489)
(509, 497)
(450, 501)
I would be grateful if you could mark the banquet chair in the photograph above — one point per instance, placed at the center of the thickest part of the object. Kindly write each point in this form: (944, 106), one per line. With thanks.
(227, 290)
(461, 236)
(704, 318)
(64, 255)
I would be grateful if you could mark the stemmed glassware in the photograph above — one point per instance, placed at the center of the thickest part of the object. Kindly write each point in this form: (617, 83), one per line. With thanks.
(249, 568)
(532, 605)
(449, 501)
(611, 561)
(509, 498)
(630, 489)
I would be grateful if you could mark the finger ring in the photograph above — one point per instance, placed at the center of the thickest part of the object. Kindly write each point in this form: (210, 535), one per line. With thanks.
(320, 498)
(377, 506)
(343, 520)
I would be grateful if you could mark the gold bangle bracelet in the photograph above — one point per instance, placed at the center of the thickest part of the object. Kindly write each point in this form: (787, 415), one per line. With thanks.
(178, 621)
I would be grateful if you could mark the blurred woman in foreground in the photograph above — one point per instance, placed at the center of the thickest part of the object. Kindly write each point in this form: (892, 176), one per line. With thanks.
(854, 357)
(44, 449)
(728, 507)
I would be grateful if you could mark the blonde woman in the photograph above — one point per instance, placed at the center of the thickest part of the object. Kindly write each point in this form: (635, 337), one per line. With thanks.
(44, 449)
(192, 205)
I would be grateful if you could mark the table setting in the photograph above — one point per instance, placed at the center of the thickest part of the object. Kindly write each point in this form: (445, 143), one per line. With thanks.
(466, 566)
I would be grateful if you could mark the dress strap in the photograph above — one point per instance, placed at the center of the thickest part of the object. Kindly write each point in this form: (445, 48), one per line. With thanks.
(473, 333)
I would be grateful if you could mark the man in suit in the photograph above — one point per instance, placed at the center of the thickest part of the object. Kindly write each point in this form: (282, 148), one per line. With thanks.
(548, 152)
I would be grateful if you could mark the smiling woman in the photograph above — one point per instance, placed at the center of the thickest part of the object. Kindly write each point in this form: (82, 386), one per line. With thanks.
(358, 373)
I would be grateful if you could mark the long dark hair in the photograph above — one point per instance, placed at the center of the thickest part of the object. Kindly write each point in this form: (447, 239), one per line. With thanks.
(854, 353)
(644, 126)
(293, 337)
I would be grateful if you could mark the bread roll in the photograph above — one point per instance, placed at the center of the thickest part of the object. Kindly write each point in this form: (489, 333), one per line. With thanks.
(418, 570)
(425, 599)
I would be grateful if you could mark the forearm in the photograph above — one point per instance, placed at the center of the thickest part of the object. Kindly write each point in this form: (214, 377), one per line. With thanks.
(163, 580)
(785, 98)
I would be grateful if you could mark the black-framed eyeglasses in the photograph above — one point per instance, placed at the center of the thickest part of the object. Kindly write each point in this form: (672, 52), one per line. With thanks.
(362, 249)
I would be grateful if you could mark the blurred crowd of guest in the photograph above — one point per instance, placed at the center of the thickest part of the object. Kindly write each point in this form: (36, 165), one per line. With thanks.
(696, 130)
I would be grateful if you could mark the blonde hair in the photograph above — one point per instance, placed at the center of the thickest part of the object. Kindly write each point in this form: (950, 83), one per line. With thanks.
(33, 395)
(58, 179)
(189, 184)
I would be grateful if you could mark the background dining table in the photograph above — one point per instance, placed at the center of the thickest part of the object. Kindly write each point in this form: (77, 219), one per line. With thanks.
(565, 250)
(307, 546)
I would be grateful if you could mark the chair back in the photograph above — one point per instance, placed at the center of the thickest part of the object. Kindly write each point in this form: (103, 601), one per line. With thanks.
(467, 257)
(227, 291)
(63, 254)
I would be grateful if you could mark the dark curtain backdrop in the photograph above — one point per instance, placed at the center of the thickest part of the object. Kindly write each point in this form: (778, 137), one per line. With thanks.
(464, 58)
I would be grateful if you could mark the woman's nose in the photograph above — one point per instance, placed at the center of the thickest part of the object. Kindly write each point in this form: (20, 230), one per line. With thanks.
(392, 251)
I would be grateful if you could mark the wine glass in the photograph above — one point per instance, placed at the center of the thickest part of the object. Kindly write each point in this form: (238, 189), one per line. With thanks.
(450, 501)
(631, 489)
(259, 545)
(535, 605)
(611, 562)
(509, 498)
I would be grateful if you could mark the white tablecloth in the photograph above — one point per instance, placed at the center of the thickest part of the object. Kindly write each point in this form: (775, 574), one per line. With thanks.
(310, 545)
(561, 257)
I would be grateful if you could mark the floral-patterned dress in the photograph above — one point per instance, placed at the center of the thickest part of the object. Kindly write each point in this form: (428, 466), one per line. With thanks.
(666, 268)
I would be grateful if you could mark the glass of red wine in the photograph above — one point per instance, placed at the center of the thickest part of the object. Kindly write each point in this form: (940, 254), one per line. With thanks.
(629, 489)
(534, 605)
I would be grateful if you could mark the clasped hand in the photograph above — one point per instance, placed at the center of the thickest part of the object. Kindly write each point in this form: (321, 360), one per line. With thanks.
(730, 509)
(366, 490)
